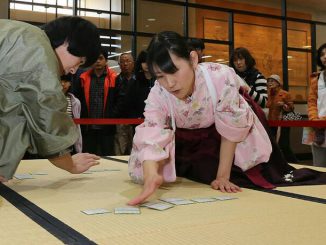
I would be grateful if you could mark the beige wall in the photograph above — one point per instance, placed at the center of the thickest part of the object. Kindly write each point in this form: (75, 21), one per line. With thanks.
(4, 9)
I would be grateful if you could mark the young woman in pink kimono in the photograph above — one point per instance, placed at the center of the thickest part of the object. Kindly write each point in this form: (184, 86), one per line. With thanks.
(198, 126)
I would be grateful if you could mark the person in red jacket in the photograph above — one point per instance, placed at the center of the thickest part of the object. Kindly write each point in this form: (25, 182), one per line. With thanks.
(96, 91)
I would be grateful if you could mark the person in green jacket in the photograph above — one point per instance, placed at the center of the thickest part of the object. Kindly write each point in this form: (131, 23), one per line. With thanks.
(32, 105)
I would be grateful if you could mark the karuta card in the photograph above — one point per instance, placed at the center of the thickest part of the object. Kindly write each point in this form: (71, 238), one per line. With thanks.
(39, 173)
(177, 201)
(127, 210)
(96, 211)
(161, 206)
(23, 176)
(203, 199)
(103, 170)
(225, 198)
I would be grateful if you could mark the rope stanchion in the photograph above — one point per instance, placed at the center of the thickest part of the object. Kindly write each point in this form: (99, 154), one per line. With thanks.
(108, 121)
(299, 123)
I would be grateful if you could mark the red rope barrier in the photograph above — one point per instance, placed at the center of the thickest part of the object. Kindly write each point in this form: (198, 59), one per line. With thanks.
(303, 123)
(276, 123)
(108, 121)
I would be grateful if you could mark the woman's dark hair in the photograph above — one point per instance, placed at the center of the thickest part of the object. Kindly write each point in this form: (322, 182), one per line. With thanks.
(139, 72)
(141, 58)
(320, 49)
(242, 53)
(82, 37)
(195, 43)
(159, 49)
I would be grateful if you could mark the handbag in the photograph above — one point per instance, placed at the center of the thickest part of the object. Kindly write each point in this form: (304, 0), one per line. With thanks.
(291, 116)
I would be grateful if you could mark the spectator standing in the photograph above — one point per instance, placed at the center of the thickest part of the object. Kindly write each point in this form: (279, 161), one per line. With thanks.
(139, 88)
(280, 102)
(73, 109)
(124, 132)
(317, 110)
(96, 91)
(244, 65)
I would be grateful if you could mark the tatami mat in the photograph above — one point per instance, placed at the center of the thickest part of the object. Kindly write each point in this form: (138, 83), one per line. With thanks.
(16, 228)
(255, 218)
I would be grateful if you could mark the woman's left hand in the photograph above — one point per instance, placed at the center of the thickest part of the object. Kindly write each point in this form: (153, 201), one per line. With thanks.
(224, 185)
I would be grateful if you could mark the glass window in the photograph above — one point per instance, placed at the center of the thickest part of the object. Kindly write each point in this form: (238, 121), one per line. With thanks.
(97, 15)
(155, 17)
(299, 69)
(216, 53)
(208, 24)
(306, 9)
(257, 6)
(320, 35)
(142, 43)
(263, 38)
(115, 46)
(299, 35)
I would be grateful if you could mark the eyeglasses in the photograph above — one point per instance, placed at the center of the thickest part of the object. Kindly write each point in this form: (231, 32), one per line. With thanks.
(125, 62)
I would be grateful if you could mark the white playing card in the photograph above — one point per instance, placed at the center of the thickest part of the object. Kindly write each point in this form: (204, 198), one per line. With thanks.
(203, 199)
(225, 198)
(127, 210)
(96, 211)
(102, 170)
(23, 176)
(158, 206)
(39, 173)
(109, 170)
(177, 201)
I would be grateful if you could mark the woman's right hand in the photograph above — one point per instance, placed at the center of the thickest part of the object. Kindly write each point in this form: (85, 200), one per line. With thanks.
(152, 181)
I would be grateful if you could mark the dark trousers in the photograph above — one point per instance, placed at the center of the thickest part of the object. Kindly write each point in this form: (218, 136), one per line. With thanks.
(284, 143)
(99, 142)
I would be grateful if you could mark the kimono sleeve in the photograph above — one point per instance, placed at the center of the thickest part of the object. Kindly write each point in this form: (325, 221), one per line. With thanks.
(154, 139)
(233, 117)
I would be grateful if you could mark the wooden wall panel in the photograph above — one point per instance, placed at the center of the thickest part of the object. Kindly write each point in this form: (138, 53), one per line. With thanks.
(263, 37)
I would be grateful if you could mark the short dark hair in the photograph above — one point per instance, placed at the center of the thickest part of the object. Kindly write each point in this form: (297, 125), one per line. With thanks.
(67, 77)
(320, 49)
(242, 53)
(195, 43)
(104, 53)
(82, 36)
(159, 49)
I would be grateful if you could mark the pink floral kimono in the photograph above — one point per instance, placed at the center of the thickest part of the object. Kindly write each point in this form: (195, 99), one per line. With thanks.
(215, 101)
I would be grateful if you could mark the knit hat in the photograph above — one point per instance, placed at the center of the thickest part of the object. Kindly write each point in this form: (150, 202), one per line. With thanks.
(276, 78)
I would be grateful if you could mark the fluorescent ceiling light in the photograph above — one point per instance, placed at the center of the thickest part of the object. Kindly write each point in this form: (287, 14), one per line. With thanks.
(206, 56)
(109, 37)
(151, 19)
